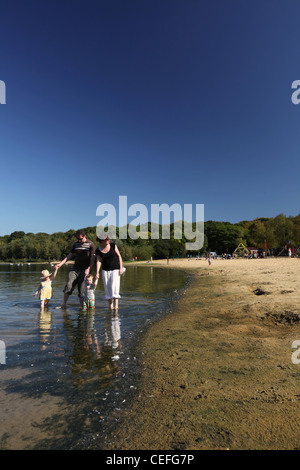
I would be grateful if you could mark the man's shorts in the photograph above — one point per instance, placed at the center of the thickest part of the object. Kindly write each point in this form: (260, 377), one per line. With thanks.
(75, 278)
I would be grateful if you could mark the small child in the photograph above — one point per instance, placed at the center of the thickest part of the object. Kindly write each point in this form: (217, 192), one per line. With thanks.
(89, 292)
(45, 288)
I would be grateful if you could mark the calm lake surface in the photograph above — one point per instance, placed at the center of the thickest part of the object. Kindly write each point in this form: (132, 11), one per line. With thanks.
(68, 374)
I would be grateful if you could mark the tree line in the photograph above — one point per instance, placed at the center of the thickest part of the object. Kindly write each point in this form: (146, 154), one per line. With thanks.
(274, 233)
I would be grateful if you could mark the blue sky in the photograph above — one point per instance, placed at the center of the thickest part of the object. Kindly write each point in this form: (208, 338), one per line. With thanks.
(163, 101)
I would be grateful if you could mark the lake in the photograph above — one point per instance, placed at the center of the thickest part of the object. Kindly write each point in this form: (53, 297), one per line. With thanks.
(67, 374)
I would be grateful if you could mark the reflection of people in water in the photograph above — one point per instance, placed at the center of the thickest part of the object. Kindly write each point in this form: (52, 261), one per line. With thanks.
(90, 336)
(112, 332)
(90, 360)
(45, 326)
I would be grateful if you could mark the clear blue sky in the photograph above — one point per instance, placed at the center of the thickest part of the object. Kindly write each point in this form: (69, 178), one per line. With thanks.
(163, 101)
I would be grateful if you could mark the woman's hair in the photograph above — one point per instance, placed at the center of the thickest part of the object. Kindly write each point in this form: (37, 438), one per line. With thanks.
(103, 236)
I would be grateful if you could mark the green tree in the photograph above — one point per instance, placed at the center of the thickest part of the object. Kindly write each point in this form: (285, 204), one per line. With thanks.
(257, 234)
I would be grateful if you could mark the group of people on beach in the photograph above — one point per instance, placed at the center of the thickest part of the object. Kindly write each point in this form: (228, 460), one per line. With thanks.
(84, 254)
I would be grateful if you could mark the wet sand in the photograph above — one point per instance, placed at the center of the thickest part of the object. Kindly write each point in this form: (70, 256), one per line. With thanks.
(217, 373)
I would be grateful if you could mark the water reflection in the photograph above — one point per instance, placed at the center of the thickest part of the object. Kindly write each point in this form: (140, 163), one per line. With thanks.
(92, 354)
(91, 338)
(45, 320)
(112, 333)
(82, 358)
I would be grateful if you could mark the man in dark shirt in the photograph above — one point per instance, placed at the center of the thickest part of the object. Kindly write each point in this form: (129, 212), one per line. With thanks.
(83, 252)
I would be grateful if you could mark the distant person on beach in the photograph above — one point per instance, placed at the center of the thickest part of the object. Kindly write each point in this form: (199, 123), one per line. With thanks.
(83, 251)
(109, 256)
(89, 292)
(45, 288)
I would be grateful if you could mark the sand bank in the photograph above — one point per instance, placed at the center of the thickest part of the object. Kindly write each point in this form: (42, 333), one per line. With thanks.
(218, 371)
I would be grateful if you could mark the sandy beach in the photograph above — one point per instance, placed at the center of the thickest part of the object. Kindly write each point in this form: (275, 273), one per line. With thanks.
(217, 373)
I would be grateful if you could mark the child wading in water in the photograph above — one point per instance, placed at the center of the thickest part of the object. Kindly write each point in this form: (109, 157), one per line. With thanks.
(89, 292)
(45, 288)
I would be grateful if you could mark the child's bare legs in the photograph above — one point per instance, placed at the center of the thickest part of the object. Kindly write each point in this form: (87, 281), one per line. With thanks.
(42, 305)
(116, 303)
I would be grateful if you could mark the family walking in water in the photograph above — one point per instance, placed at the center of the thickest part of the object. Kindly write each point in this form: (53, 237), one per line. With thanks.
(84, 254)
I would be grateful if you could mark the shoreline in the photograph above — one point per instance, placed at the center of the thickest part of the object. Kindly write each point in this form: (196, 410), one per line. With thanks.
(217, 371)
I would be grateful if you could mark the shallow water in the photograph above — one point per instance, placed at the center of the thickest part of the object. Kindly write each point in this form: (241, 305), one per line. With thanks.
(67, 374)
